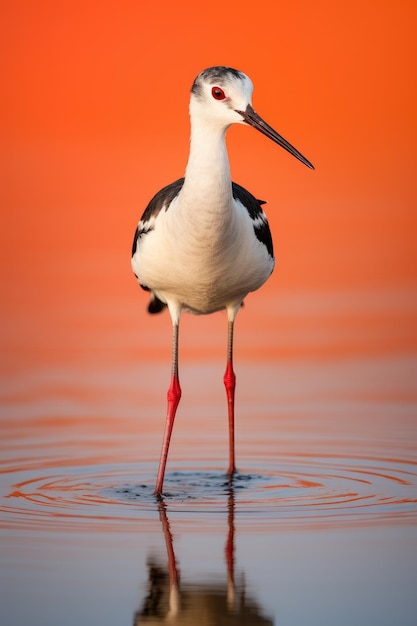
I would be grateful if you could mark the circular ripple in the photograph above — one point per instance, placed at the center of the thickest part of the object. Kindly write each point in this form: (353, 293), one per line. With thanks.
(302, 491)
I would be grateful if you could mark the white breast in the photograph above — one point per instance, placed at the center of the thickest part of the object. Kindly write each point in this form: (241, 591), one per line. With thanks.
(204, 265)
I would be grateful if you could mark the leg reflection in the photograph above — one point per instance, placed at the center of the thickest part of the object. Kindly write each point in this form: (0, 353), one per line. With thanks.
(197, 602)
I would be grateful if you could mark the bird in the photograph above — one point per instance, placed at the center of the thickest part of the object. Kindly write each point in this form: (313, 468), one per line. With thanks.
(203, 242)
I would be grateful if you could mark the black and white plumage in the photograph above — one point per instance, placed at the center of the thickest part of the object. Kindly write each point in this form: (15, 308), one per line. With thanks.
(203, 242)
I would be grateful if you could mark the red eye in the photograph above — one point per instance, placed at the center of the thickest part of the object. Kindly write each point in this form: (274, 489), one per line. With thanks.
(218, 93)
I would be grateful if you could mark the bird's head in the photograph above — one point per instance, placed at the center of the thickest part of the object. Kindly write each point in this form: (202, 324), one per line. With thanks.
(218, 93)
(221, 96)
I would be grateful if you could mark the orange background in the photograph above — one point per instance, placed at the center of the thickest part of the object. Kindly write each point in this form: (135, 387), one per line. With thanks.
(94, 120)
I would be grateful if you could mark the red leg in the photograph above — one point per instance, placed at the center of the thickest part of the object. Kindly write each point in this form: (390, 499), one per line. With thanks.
(173, 396)
(230, 384)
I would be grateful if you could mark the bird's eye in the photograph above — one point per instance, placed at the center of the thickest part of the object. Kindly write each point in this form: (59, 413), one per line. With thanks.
(217, 93)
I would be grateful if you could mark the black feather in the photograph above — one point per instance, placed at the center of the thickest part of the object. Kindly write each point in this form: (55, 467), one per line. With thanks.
(254, 209)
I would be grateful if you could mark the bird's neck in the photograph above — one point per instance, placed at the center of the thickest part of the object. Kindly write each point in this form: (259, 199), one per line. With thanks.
(207, 175)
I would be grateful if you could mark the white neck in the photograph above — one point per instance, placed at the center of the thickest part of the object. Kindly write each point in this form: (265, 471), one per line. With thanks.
(207, 175)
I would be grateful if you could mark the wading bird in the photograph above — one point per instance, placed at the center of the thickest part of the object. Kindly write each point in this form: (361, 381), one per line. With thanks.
(203, 242)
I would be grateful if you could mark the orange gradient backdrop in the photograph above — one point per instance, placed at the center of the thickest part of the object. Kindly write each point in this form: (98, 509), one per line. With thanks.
(94, 120)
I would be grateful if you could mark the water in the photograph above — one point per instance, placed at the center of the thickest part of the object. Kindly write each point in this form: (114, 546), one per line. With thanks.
(318, 527)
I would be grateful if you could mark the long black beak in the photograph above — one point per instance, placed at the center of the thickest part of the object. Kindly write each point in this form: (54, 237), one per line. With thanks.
(253, 119)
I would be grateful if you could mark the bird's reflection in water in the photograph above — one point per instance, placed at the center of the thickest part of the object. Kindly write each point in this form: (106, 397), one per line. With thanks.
(211, 604)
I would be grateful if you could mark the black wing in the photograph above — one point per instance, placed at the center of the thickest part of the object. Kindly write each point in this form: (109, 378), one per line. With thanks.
(161, 200)
(254, 209)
